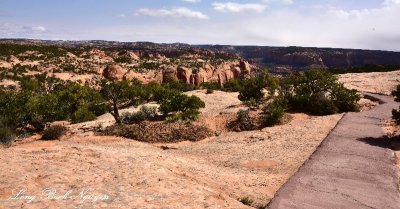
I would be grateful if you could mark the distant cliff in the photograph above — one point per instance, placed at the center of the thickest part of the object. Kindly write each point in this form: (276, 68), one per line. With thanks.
(276, 59)
(287, 59)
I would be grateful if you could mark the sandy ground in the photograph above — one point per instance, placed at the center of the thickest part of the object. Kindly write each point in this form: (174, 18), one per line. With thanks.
(213, 173)
(381, 83)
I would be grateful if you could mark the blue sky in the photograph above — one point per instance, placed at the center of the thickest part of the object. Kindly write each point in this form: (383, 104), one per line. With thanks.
(367, 24)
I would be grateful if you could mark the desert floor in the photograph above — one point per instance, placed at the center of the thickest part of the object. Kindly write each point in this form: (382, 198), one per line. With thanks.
(86, 171)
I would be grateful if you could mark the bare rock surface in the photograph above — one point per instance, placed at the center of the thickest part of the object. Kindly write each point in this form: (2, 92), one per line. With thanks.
(212, 173)
(351, 169)
(376, 82)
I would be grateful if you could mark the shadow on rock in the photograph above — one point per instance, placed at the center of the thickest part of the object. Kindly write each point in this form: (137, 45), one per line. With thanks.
(384, 142)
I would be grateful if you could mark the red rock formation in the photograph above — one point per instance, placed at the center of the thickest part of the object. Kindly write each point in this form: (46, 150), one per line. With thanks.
(184, 74)
(114, 72)
(170, 73)
(209, 73)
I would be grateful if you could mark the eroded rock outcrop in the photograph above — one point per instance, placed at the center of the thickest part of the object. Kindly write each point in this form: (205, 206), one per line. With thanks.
(114, 72)
(208, 73)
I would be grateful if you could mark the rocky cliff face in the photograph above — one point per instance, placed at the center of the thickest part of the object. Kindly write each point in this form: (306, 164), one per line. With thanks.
(195, 76)
(287, 59)
(200, 63)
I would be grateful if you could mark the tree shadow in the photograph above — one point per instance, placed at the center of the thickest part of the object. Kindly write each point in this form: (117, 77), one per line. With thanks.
(384, 142)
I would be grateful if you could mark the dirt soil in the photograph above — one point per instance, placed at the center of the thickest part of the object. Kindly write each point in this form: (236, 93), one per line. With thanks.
(122, 173)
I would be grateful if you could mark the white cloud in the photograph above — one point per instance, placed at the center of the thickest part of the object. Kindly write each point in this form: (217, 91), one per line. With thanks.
(39, 29)
(391, 2)
(192, 1)
(122, 15)
(176, 13)
(8, 30)
(237, 7)
(363, 13)
(280, 1)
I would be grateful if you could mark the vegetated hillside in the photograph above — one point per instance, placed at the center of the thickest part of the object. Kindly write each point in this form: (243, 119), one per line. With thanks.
(86, 60)
(288, 59)
(278, 60)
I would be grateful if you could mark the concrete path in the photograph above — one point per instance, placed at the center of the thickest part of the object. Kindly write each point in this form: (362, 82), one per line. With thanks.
(351, 169)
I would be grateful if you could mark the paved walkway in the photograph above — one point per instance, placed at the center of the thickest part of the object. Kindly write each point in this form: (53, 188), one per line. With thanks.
(351, 169)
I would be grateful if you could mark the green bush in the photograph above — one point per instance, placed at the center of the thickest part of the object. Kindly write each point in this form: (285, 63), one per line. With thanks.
(320, 104)
(181, 106)
(53, 132)
(396, 113)
(396, 93)
(99, 108)
(114, 92)
(396, 116)
(246, 201)
(345, 99)
(178, 86)
(318, 92)
(145, 113)
(274, 112)
(233, 85)
(211, 86)
(83, 114)
(244, 122)
(6, 136)
(253, 89)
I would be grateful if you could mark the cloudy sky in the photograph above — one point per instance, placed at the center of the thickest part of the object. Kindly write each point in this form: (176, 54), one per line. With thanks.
(366, 24)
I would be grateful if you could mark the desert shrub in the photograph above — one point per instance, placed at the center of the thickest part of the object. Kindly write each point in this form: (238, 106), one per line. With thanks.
(396, 93)
(12, 113)
(365, 68)
(318, 92)
(345, 99)
(145, 113)
(396, 116)
(149, 111)
(182, 107)
(320, 104)
(114, 92)
(211, 86)
(190, 108)
(254, 89)
(233, 85)
(246, 201)
(99, 108)
(244, 122)
(274, 112)
(123, 59)
(6, 136)
(178, 86)
(53, 132)
(138, 93)
(73, 96)
(34, 105)
(209, 91)
(396, 113)
(155, 132)
(83, 114)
